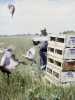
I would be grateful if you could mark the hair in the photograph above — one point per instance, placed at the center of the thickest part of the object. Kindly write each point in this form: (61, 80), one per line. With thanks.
(9, 49)
(36, 43)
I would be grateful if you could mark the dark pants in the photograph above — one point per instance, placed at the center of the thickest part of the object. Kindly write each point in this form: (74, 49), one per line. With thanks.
(43, 58)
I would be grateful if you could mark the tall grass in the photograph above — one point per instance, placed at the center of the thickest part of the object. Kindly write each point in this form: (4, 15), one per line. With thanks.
(32, 86)
(27, 82)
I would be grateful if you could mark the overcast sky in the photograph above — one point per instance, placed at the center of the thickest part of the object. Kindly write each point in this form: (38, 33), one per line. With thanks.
(33, 15)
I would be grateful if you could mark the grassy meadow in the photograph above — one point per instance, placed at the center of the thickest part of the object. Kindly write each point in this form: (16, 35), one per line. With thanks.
(27, 82)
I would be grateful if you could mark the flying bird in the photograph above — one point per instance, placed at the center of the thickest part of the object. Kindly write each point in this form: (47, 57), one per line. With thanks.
(11, 7)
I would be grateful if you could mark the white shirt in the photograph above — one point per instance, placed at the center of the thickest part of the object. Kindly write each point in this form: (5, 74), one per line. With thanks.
(8, 61)
(12, 65)
(30, 53)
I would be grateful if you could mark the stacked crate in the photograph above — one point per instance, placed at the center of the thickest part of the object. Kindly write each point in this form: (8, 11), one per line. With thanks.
(61, 58)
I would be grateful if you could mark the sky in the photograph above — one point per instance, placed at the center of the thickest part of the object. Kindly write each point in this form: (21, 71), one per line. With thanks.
(33, 15)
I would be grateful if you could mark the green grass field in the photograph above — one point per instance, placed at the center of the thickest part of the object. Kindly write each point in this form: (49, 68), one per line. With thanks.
(27, 82)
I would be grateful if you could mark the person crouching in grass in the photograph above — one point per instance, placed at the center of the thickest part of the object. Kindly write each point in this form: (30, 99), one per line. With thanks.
(30, 55)
(8, 64)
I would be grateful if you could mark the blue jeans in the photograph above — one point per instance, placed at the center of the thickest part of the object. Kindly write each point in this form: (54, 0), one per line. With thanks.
(43, 58)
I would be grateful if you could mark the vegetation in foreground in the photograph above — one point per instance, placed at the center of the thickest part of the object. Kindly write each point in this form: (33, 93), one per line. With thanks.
(27, 82)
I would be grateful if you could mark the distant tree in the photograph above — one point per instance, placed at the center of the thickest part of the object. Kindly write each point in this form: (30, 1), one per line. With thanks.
(44, 32)
(68, 32)
(36, 34)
